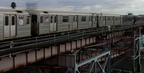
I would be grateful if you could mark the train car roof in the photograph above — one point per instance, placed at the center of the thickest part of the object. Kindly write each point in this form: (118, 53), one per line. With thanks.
(13, 11)
(64, 12)
(111, 15)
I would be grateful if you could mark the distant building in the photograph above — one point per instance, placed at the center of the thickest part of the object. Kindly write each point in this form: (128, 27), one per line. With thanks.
(130, 14)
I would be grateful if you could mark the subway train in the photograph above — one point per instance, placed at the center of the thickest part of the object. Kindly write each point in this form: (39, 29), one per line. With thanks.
(24, 23)
(132, 19)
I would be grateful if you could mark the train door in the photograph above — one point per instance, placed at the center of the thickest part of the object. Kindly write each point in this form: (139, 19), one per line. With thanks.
(35, 19)
(10, 26)
(34, 25)
(75, 22)
(90, 21)
(93, 19)
(53, 24)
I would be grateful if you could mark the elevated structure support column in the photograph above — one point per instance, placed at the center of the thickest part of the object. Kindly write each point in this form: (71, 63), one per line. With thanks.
(90, 63)
(136, 50)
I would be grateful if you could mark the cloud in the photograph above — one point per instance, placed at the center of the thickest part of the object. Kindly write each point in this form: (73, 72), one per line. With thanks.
(105, 6)
(62, 8)
(87, 8)
(98, 6)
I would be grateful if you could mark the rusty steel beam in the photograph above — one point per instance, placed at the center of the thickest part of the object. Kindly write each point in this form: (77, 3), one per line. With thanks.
(63, 62)
(22, 58)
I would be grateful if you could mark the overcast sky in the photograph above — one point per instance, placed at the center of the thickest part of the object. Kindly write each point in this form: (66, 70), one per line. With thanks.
(104, 6)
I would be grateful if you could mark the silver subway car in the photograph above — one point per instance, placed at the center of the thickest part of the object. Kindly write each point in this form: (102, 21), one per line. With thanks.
(105, 20)
(14, 24)
(67, 21)
(26, 23)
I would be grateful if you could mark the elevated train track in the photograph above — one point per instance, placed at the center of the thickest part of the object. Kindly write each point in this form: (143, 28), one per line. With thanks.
(49, 45)
(11, 46)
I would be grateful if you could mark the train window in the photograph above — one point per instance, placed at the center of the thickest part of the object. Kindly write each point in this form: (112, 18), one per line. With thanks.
(65, 18)
(28, 20)
(73, 18)
(55, 19)
(95, 18)
(6, 20)
(51, 19)
(116, 18)
(76, 18)
(108, 18)
(83, 18)
(13, 20)
(101, 18)
(89, 18)
(41, 19)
